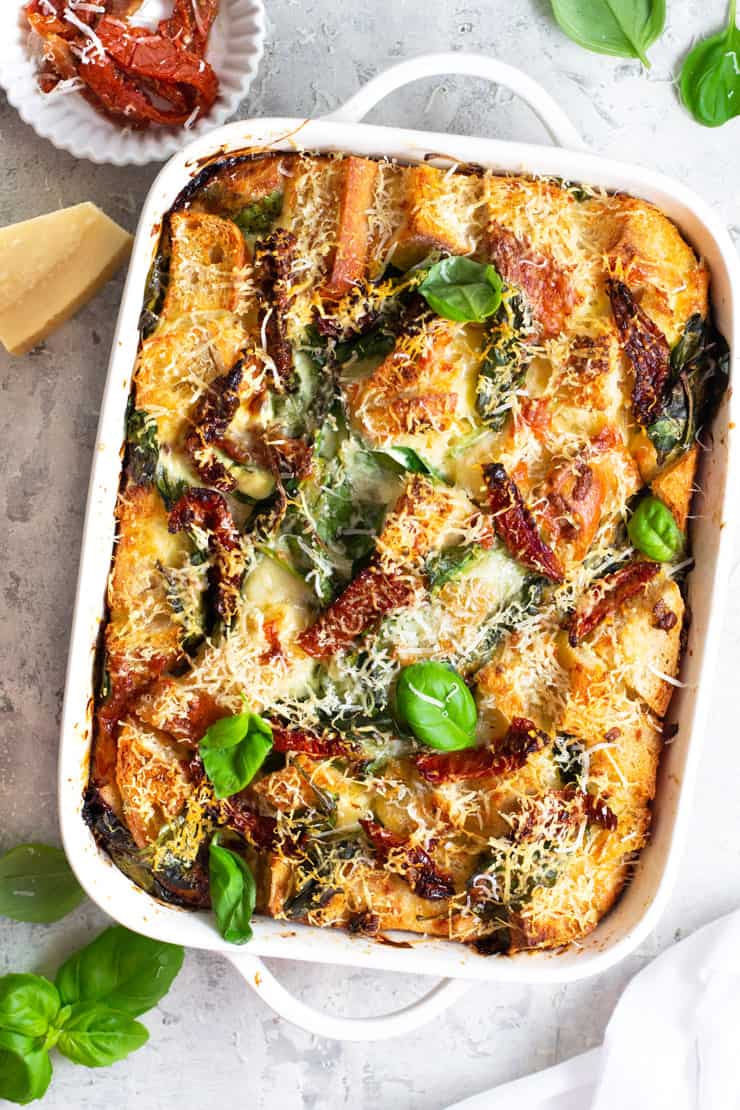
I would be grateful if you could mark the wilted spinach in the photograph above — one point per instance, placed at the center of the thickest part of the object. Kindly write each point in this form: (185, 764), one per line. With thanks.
(257, 218)
(505, 362)
(442, 566)
(143, 445)
(700, 366)
(154, 294)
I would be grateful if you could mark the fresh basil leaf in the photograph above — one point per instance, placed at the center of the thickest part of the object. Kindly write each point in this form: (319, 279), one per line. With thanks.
(233, 750)
(406, 460)
(120, 969)
(95, 1036)
(258, 217)
(28, 1004)
(37, 884)
(25, 1068)
(710, 76)
(623, 28)
(652, 529)
(461, 289)
(433, 700)
(233, 893)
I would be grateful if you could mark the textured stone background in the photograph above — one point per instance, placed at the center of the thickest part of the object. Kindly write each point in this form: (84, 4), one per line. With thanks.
(213, 1043)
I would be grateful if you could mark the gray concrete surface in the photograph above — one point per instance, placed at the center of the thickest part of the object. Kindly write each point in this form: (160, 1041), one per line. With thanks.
(212, 1042)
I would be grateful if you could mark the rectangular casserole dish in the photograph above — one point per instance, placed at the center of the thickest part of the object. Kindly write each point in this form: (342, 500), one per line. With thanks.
(644, 899)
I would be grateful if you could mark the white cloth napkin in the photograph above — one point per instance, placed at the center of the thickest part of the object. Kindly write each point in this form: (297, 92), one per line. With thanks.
(673, 1042)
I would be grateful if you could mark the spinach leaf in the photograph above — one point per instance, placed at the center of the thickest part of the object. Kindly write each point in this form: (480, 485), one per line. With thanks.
(461, 289)
(95, 1035)
(25, 1068)
(28, 1004)
(170, 489)
(257, 218)
(233, 750)
(710, 76)
(433, 700)
(406, 460)
(571, 760)
(442, 566)
(37, 884)
(120, 970)
(700, 367)
(233, 893)
(154, 293)
(143, 446)
(505, 362)
(623, 28)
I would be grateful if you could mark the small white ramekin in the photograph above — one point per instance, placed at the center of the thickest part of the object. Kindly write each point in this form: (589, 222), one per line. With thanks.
(70, 123)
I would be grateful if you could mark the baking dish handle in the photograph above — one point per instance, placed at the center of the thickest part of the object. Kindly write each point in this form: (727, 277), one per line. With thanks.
(395, 1024)
(473, 65)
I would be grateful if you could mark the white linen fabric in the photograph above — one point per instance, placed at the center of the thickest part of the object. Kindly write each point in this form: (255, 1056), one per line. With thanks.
(673, 1042)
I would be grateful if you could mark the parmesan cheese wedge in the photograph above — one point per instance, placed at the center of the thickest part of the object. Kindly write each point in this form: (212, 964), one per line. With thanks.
(50, 267)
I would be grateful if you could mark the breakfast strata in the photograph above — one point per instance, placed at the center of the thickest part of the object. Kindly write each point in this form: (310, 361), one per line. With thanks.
(397, 600)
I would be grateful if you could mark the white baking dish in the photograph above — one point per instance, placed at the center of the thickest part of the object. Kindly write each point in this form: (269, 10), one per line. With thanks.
(643, 901)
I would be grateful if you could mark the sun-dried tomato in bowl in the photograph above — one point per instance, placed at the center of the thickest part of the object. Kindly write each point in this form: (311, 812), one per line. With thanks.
(129, 73)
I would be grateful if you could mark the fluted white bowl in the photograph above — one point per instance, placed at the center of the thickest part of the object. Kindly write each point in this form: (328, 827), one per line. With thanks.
(70, 123)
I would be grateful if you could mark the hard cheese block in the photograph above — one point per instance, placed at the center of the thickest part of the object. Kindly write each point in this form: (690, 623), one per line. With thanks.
(51, 266)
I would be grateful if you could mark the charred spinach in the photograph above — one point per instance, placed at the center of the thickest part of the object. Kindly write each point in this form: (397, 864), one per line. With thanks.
(700, 366)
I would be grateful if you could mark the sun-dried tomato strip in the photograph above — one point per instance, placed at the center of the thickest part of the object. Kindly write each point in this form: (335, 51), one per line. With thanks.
(120, 97)
(213, 414)
(598, 812)
(141, 53)
(546, 285)
(509, 755)
(130, 73)
(515, 525)
(369, 596)
(296, 740)
(647, 349)
(207, 509)
(190, 23)
(257, 828)
(416, 865)
(606, 596)
(274, 259)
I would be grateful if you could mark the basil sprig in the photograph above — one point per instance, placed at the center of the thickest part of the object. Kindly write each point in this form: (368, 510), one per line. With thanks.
(433, 700)
(710, 76)
(233, 892)
(88, 1012)
(233, 750)
(622, 28)
(37, 884)
(461, 289)
(652, 529)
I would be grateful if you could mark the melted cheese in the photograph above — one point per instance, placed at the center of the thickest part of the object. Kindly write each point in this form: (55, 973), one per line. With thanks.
(397, 481)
